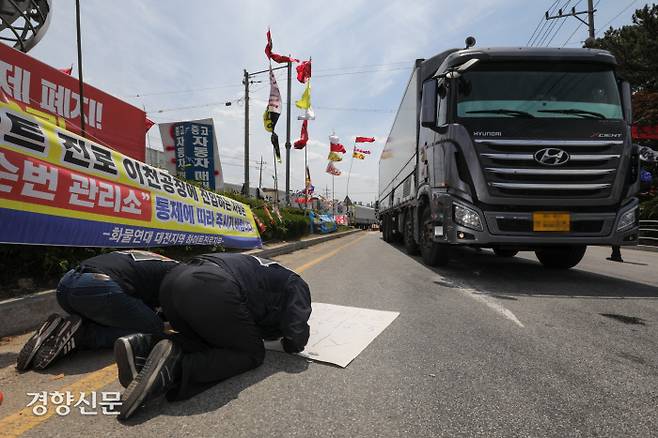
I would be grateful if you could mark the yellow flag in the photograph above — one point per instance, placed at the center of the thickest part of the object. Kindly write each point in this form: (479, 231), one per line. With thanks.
(305, 101)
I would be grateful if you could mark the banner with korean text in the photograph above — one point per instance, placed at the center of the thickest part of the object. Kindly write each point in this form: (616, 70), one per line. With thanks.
(191, 152)
(57, 188)
(49, 93)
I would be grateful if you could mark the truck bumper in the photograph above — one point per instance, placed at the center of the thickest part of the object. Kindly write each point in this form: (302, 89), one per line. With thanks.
(505, 228)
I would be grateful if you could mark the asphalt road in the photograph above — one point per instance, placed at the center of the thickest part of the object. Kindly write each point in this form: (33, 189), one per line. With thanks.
(484, 347)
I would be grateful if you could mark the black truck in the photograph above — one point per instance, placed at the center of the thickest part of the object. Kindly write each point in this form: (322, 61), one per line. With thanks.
(514, 149)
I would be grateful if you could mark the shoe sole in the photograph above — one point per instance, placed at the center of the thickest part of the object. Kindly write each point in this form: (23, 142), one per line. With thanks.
(33, 344)
(135, 394)
(71, 328)
(125, 358)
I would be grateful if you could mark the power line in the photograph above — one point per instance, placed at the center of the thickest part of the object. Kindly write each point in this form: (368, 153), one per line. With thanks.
(544, 25)
(620, 12)
(551, 26)
(541, 23)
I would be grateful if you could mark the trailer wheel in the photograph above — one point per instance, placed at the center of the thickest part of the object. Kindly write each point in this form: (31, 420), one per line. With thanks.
(434, 254)
(561, 257)
(410, 244)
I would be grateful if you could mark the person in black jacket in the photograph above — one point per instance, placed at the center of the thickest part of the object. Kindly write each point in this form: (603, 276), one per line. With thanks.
(222, 306)
(107, 297)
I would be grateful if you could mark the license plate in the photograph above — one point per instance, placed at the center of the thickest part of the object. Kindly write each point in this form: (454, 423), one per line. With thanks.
(551, 221)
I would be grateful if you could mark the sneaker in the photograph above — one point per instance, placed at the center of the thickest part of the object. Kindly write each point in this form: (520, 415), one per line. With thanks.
(60, 343)
(159, 375)
(30, 348)
(131, 353)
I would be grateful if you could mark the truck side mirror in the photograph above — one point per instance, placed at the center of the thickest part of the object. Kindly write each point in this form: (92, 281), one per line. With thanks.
(428, 104)
(627, 102)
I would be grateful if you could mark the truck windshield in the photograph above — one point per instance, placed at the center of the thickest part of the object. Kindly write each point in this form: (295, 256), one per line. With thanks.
(539, 90)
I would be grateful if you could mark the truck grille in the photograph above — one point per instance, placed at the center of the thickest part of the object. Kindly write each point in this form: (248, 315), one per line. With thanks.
(511, 170)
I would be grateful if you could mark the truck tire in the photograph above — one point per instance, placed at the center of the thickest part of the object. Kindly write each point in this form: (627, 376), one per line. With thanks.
(410, 244)
(434, 254)
(563, 257)
(505, 252)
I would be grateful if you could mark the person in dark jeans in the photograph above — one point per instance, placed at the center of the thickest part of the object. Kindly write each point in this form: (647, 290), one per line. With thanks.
(222, 306)
(107, 297)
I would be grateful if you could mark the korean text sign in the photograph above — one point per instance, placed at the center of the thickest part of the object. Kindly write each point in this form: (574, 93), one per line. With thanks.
(192, 152)
(43, 90)
(57, 188)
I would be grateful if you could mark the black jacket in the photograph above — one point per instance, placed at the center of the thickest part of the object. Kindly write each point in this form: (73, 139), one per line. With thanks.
(139, 273)
(278, 299)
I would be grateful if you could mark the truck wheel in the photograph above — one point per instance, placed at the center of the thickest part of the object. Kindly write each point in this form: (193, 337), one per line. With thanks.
(563, 257)
(410, 244)
(433, 254)
(505, 252)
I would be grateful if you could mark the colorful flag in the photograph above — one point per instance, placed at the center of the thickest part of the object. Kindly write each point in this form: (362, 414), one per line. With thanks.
(362, 151)
(272, 113)
(364, 139)
(337, 147)
(148, 123)
(305, 101)
(304, 71)
(301, 143)
(358, 155)
(277, 212)
(267, 213)
(333, 156)
(274, 56)
(309, 114)
(261, 226)
(309, 188)
(333, 170)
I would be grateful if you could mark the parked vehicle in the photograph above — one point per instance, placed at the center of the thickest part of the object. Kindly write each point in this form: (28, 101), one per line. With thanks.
(362, 217)
(515, 149)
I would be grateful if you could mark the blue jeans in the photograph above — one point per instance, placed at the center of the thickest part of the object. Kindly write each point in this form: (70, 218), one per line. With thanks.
(106, 310)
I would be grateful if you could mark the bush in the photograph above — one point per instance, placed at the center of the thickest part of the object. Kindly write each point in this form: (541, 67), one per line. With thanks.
(649, 209)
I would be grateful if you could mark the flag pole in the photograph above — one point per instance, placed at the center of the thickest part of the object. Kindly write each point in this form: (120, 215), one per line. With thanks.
(276, 180)
(306, 175)
(333, 195)
(349, 174)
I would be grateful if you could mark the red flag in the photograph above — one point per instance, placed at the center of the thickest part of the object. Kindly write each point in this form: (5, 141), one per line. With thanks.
(337, 147)
(149, 123)
(299, 144)
(304, 71)
(67, 71)
(364, 139)
(274, 56)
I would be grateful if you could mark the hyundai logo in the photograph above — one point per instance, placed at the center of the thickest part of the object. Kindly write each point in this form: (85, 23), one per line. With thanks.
(551, 156)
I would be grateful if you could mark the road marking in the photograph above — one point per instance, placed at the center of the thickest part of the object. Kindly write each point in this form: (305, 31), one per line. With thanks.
(20, 422)
(482, 297)
(314, 262)
(492, 304)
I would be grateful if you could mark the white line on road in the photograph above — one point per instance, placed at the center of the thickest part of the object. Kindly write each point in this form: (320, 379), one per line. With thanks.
(484, 298)
(492, 304)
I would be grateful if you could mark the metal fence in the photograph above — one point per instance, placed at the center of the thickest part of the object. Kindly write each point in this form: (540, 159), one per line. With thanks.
(649, 232)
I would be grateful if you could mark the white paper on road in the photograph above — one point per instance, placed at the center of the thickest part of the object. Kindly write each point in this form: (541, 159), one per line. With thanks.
(340, 333)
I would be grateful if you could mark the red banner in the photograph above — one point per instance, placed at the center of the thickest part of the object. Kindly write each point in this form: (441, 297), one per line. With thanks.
(53, 95)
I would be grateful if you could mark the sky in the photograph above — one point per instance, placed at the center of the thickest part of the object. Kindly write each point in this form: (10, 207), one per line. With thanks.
(184, 60)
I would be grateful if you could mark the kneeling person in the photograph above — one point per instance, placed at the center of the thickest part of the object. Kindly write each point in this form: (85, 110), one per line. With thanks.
(222, 306)
(107, 297)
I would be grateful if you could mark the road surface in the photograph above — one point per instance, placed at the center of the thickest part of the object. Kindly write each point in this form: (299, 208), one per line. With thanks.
(484, 347)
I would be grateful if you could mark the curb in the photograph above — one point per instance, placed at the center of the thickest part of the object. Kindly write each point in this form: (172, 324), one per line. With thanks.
(22, 314)
(641, 248)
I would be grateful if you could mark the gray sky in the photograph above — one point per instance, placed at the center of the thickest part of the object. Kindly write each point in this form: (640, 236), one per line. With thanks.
(186, 58)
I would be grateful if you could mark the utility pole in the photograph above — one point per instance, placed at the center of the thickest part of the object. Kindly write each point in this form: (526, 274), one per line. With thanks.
(245, 186)
(260, 174)
(288, 135)
(590, 16)
(80, 81)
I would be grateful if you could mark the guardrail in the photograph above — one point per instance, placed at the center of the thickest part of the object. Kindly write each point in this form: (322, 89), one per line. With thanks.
(649, 232)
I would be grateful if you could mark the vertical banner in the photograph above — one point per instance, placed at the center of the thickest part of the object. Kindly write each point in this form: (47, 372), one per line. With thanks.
(191, 152)
(57, 188)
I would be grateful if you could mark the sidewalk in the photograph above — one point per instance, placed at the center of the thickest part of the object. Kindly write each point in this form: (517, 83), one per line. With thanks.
(18, 315)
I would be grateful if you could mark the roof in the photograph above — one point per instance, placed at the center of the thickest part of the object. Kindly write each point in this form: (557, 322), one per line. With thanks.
(454, 57)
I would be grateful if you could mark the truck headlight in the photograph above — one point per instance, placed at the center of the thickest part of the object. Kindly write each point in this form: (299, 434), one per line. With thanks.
(467, 217)
(627, 219)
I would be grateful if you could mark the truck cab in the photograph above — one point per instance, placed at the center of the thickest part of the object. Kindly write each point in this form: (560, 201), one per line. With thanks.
(516, 149)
